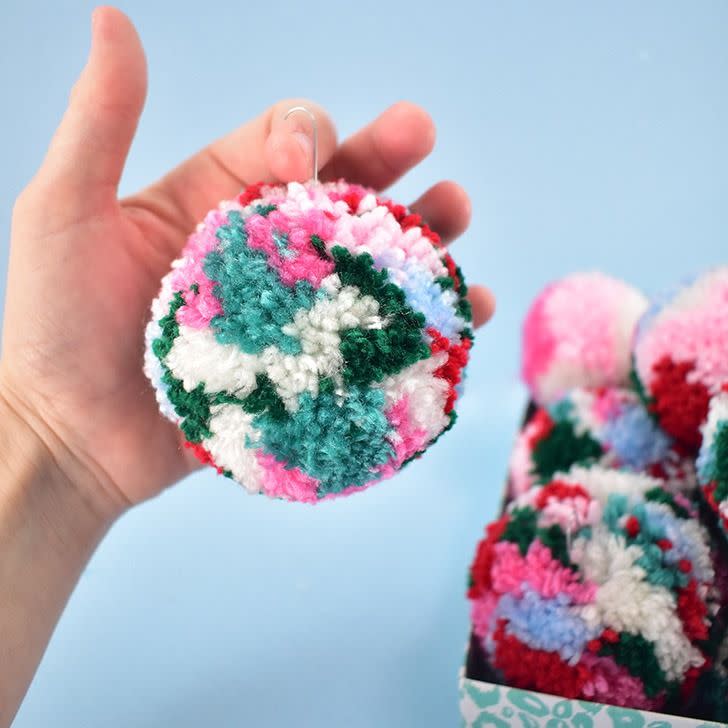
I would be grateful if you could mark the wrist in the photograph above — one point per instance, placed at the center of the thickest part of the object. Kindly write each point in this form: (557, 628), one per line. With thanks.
(49, 528)
(40, 470)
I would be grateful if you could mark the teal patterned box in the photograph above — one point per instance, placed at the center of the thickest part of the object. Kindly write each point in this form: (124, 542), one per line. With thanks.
(485, 705)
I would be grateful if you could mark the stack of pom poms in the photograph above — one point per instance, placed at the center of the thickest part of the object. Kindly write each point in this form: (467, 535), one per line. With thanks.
(310, 340)
(606, 577)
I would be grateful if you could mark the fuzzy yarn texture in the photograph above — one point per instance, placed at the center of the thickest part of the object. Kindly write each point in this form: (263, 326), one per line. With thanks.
(713, 687)
(310, 340)
(713, 458)
(578, 332)
(606, 577)
(608, 426)
(598, 585)
(681, 355)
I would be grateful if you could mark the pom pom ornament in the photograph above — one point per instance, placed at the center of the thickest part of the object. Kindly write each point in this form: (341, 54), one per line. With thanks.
(713, 458)
(598, 585)
(310, 340)
(578, 333)
(681, 355)
(608, 426)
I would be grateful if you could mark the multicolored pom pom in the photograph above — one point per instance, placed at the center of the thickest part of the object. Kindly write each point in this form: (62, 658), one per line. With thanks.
(578, 333)
(608, 426)
(713, 458)
(311, 339)
(681, 355)
(597, 585)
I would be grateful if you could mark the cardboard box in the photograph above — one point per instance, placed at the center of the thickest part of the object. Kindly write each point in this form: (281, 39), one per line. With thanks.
(484, 704)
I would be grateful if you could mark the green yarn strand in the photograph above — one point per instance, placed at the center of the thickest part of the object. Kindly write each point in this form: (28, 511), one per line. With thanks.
(370, 355)
(193, 407)
(561, 449)
(637, 656)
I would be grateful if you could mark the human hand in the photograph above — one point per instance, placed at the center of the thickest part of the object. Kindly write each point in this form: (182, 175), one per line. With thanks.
(85, 265)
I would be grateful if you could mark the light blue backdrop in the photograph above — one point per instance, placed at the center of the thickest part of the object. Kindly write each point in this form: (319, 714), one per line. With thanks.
(589, 136)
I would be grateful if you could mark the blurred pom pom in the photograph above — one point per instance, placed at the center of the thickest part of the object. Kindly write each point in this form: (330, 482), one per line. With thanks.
(608, 426)
(713, 458)
(681, 355)
(598, 585)
(578, 333)
(310, 340)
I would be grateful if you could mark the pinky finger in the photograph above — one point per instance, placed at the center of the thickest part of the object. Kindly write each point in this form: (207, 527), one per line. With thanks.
(483, 302)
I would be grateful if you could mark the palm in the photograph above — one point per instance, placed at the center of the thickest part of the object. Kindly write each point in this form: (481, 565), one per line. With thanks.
(110, 406)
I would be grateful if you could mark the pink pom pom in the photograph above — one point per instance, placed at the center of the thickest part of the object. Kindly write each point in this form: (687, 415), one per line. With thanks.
(681, 355)
(578, 333)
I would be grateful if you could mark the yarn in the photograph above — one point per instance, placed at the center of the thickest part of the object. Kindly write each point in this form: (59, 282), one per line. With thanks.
(577, 333)
(597, 585)
(310, 340)
(681, 355)
(605, 579)
(712, 461)
(608, 426)
(711, 693)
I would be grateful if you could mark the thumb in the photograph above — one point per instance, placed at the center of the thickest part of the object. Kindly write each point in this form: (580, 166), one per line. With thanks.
(87, 154)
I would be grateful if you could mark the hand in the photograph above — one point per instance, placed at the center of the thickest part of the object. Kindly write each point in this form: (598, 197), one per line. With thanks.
(85, 265)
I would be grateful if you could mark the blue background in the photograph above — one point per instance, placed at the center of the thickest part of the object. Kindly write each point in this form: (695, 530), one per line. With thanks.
(589, 136)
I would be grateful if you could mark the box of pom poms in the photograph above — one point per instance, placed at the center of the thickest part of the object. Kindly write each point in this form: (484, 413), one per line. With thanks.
(599, 596)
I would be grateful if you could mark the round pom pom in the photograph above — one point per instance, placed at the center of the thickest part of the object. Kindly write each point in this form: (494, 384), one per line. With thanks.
(713, 458)
(681, 355)
(578, 333)
(598, 585)
(311, 339)
(608, 426)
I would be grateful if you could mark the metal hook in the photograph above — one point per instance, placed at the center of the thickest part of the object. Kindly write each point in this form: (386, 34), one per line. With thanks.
(314, 128)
